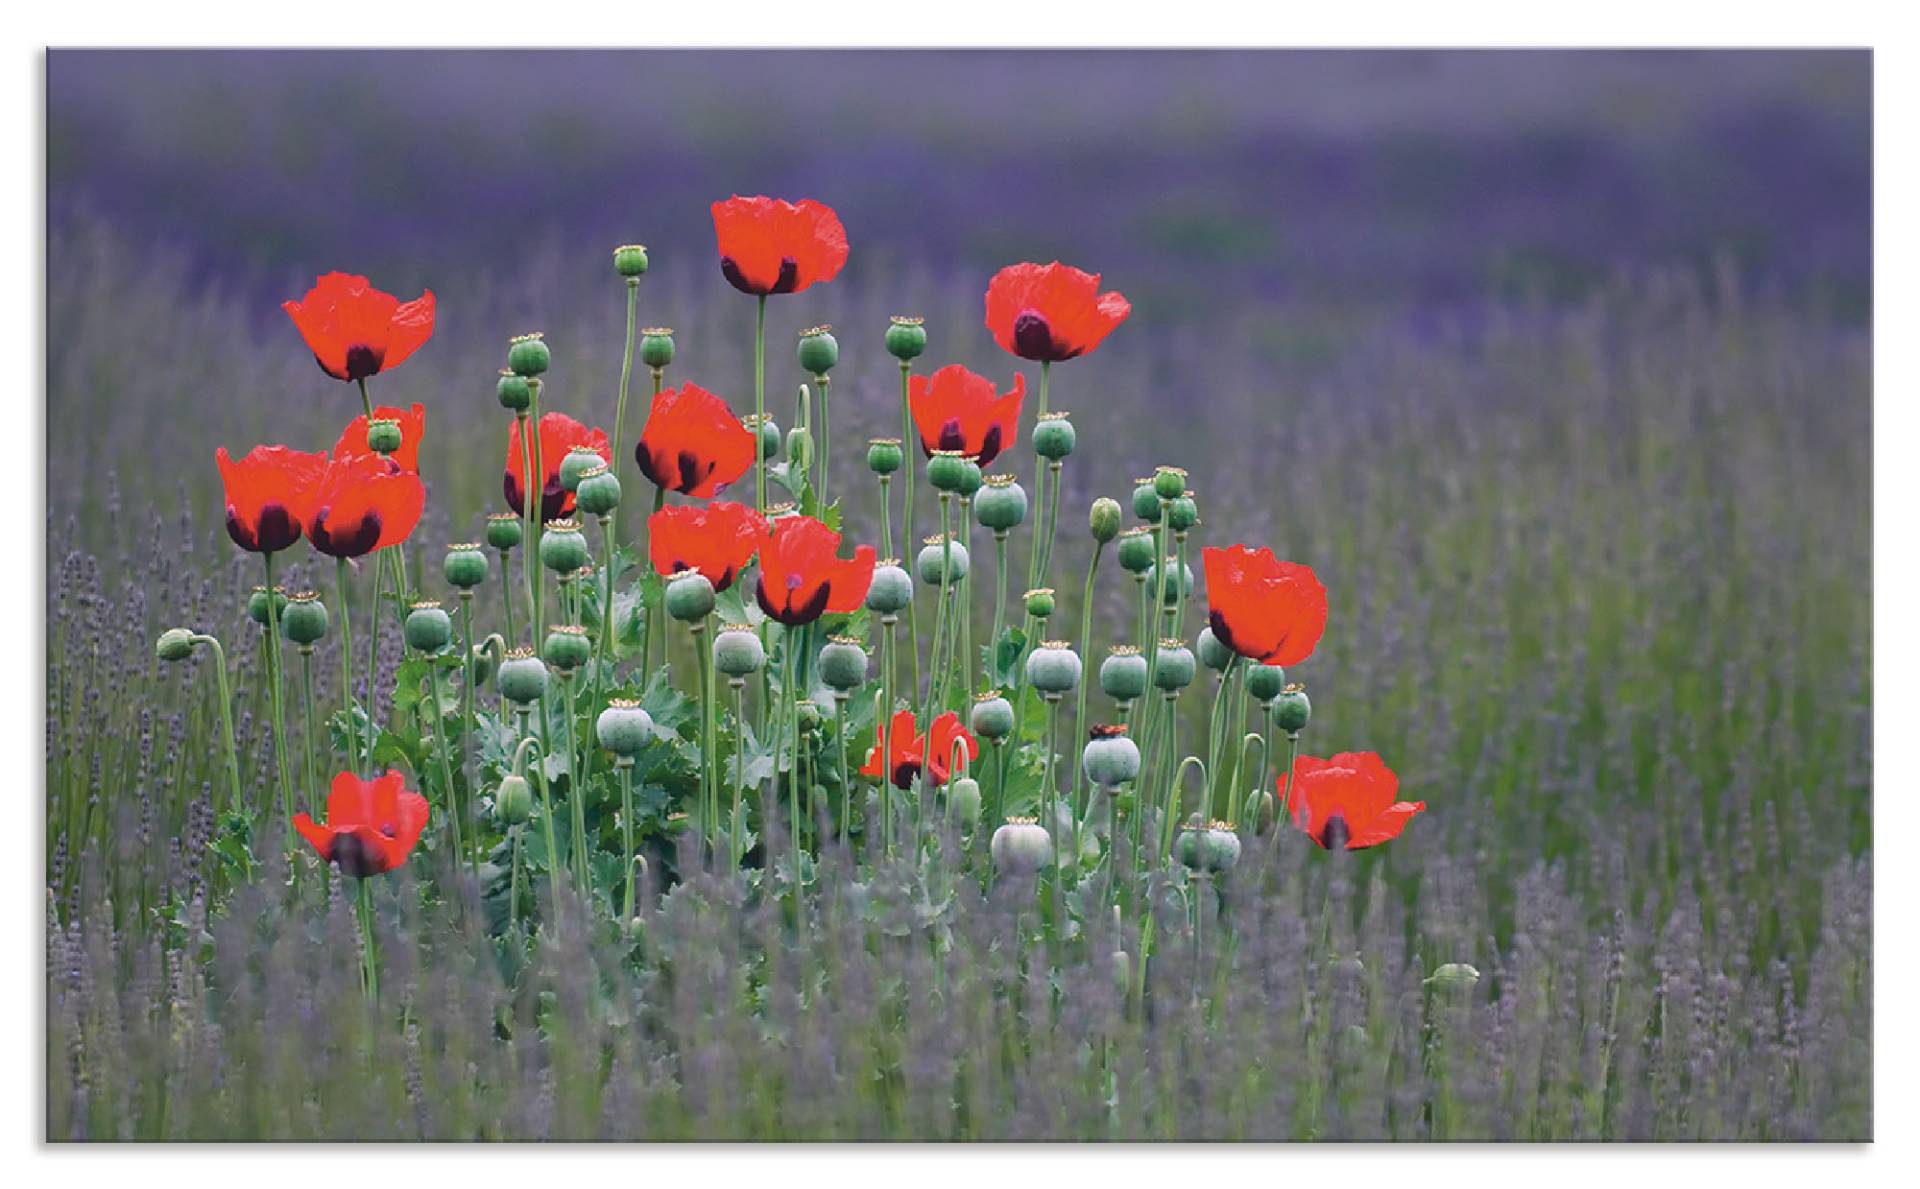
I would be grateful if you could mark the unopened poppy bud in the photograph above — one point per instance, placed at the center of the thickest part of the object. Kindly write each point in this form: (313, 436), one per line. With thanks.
(1136, 550)
(1182, 514)
(689, 596)
(1454, 977)
(563, 547)
(906, 338)
(1179, 583)
(807, 715)
(523, 677)
(1053, 668)
(305, 619)
(465, 566)
(257, 604)
(818, 350)
(504, 531)
(737, 651)
(800, 448)
(383, 435)
(991, 717)
(1173, 667)
(1021, 847)
(174, 644)
(514, 392)
(1103, 519)
(765, 432)
(428, 627)
(630, 260)
(945, 469)
(599, 491)
(964, 798)
(578, 462)
(1039, 602)
(1123, 675)
(1169, 483)
(891, 589)
(656, 346)
(513, 801)
(483, 659)
(971, 479)
(1001, 504)
(1213, 654)
(1264, 682)
(883, 455)
(1146, 501)
(1110, 759)
(623, 728)
(843, 663)
(942, 561)
(527, 355)
(1053, 436)
(567, 647)
(1291, 709)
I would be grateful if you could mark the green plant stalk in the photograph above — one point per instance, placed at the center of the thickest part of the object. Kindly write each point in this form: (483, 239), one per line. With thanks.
(886, 522)
(790, 732)
(1054, 470)
(576, 791)
(625, 766)
(226, 715)
(826, 437)
(1214, 730)
(885, 724)
(907, 440)
(513, 886)
(626, 369)
(535, 498)
(346, 666)
(467, 763)
(546, 799)
(709, 801)
(760, 404)
(734, 832)
(1000, 593)
(1080, 704)
(968, 658)
(306, 691)
(446, 761)
(1039, 487)
(279, 717)
(937, 679)
(1171, 798)
(606, 600)
(369, 962)
(846, 765)
(1285, 808)
(506, 591)
(648, 614)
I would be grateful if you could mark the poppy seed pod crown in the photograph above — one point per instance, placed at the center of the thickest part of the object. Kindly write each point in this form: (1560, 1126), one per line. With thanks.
(906, 338)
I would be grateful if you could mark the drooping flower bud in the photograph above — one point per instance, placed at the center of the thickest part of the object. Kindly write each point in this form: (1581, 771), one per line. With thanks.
(523, 677)
(1110, 759)
(656, 346)
(737, 651)
(1053, 437)
(599, 491)
(1053, 668)
(630, 260)
(818, 350)
(504, 531)
(992, 716)
(305, 620)
(1021, 847)
(1039, 603)
(906, 338)
(800, 449)
(563, 547)
(527, 355)
(623, 728)
(942, 560)
(515, 394)
(891, 589)
(465, 565)
(1173, 666)
(1455, 978)
(963, 795)
(383, 435)
(174, 644)
(689, 596)
(567, 647)
(945, 470)
(1123, 675)
(1169, 483)
(883, 455)
(1291, 709)
(1213, 654)
(843, 663)
(1103, 519)
(513, 801)
(1136, 550)
(1264, 682)
(428, 627)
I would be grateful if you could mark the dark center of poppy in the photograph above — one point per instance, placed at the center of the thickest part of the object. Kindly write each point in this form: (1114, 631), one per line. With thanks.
(1033, 337)
(355, 857)
(1221, 631)
(272, 530)
(553, 498)
(1335, 833)
(364, 361)
(951, 436)
(903, 773)
(693, 471)
(789, 275)
(353, 539)
(990, 447)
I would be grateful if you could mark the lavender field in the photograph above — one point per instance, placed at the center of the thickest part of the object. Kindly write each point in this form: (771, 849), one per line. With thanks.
(1555, 368)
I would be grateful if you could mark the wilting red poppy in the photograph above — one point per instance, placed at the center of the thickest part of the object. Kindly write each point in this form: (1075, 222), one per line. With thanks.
(559, 433)
(693, 443)
(1051, 312)
(355, 330)
(269, 495)
(908, 749)
(955, 409)
(1348, 799)
(768, 245)
(364, 502)
(1265, 609)
(371, 824)
(717, 539)
(413, 423)
(802, 576)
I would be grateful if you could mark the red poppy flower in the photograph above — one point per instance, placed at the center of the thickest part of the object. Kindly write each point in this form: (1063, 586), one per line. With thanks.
(559, 433)
(371, 824)
(1348, 798)
(355, 330)
(956, 409)
(1051, 312)
(364, 502)
(1265, 609)
(717, 539)
(693, 443)
(269, 495)
(771, 246)
(909, 750)
(802, 576)
(413, 423)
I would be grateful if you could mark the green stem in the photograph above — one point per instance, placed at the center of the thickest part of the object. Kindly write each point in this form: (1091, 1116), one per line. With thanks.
(446, 761)
(606, 599)
(1054, 470)
(513, 886)
(1000, 594)
(626, 370)
(306, 690)
(366, 399)
(506, 593)
(908, 441)
(886, 520)
(576, 793)
(968, 659)
(1080, 707)
(734, 831)
(825, 450)
(760, 403)
(546, 799)
(368, 958)
(649, 615)
(279, 717)
(346, 665)
(1214, 737)
(846, 765)
(226, 715)
(466, 710)
(625, 765)
(887, 623)
(1039, 485)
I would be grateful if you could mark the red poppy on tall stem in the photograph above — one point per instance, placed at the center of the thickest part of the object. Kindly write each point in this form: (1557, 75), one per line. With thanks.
(768, 245)
(1349, 800)
(355, 330)
(364, 502)
(269, 495)
(956, 409)
(413, 424)
(1265, 609)
(802, 576)
(909, 750)
(693, 443)
(559, 434)
(717, 539)
(371, 825)
(1051, 312)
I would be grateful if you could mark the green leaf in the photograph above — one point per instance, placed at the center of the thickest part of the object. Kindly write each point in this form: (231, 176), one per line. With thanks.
(737, 605)
(1005, 660)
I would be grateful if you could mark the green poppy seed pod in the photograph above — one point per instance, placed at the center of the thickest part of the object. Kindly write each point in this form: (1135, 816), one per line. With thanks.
(800, 448)
(578, 462)
(1179, 583)
(383, 435)
(527, 355)
(1136, 550)
(1182, 514)
(1053, 668)
(1213, 654)
(428, 627)
(737, 651)
(1146, 501)
(504, 531)
(971, 478)
(945, 470)
(1264, 682)
(567, 647)
(563, 547)
(1123, 675)
(465, 566)
(656, 346)
(523, 677)
(1208, 849)
(174, 644)
(516, 395)
(906, 338)
(1169, 483)
(843, 664)
(1103, 519)
(766, 432)
(883, 455)
(891, 589)
(1039, 602)
(1053, 437)
(818, 350)
(257, 604)
(963, 796)
(513, 800)
(305, 620)
(1173, 668)
(1001, 504)
(942, 560)
(991, 717)
(689, 596)
(630, 260)
(1110, 759)
(1021, 847)
(1291, 709)
(623, 728)
(599, 491)
(1455, 978)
